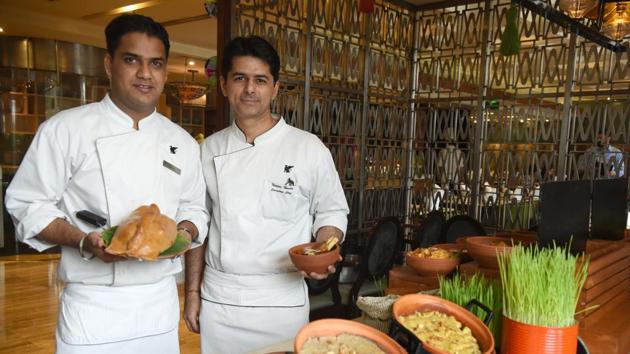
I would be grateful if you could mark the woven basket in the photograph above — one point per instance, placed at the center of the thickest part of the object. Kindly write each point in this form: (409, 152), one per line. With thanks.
(377, 311)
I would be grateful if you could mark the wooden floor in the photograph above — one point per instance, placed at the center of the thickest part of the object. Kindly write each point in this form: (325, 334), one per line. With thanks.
(29, 292)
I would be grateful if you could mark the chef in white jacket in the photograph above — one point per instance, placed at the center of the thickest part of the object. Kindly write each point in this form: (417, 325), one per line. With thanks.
(271, 187)
(109, 158)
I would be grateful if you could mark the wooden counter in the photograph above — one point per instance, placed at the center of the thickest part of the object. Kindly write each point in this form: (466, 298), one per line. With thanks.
(605, 328)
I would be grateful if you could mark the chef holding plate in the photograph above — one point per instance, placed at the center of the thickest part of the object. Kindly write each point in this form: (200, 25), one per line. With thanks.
(110, 158)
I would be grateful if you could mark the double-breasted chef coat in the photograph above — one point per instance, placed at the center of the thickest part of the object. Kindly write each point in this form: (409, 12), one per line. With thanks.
(91, 158)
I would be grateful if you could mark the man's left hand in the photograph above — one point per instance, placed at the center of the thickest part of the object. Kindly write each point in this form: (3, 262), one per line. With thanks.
(319, 276)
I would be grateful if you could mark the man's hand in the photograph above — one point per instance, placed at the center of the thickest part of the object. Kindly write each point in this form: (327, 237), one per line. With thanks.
(319, 276)
(192, 306)
(95, 245)
(323, 234)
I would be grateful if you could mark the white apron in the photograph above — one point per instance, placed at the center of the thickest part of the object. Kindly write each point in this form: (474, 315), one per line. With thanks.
(97, 314)
(166, 343)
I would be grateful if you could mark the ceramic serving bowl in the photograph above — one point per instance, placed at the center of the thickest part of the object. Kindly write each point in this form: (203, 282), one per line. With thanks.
(317, 263)
(409, 304)
(334, 327)
(484, 249)
(432, 266)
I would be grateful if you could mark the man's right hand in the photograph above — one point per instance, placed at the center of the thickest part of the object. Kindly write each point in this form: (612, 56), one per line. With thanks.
(192, 306)
(95, 245)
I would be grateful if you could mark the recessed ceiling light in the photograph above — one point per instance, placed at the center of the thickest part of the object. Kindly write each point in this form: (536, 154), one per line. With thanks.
(191, 62)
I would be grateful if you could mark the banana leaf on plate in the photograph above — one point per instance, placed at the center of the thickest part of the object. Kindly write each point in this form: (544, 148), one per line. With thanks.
(179, 247)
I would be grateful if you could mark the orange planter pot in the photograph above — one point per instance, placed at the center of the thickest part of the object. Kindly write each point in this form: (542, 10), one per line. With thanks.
(521, 338)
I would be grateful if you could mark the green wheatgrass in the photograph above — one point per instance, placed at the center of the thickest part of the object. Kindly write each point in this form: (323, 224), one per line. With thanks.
(477, 287)
(541, 287)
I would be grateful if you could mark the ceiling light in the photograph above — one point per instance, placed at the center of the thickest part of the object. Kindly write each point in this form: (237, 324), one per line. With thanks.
(1, 29)
(123, 9)
(577, 8)
(613, 15)
(129, 8)
(617, 22)
(185, 91)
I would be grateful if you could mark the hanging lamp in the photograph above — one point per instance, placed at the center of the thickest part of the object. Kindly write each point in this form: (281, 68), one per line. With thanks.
(577, 8)
(616, 23)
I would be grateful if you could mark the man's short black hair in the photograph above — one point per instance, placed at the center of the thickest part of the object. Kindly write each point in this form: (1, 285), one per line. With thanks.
(252, 46)
(128, 23)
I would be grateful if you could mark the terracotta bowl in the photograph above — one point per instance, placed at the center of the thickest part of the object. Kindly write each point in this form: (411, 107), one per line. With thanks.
(317, 263)
(333, 327)
(459, 246)
(464, 256)
(527, 237)
(430, 267)
(484, 249)
(409, 304)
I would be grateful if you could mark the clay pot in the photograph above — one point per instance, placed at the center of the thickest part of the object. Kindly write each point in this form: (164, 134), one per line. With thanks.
(316, 263)
(521, 338)
(409, 304)
(333, 327)
(484, 249)
(429, 266)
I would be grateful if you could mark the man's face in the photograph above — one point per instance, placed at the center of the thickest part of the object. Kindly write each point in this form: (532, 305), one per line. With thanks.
(249, 87)
(137, 73)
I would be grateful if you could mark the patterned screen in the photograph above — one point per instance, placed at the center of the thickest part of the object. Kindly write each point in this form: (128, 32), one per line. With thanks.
(524, 99)
(439, 95)
(368, 149)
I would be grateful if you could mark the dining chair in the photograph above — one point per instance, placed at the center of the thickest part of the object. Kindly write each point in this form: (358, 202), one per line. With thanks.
(324, 296)
(430, 231)
(460, 226)
(383, 245)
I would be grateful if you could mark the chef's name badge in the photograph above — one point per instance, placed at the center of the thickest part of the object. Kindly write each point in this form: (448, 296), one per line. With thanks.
(171, 167)
(287, 188)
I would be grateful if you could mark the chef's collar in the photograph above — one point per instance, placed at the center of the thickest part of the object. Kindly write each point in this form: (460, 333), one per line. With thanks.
(269, 135)
(123, 117)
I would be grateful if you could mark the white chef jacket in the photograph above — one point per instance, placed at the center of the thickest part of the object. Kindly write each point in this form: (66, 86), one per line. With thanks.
(266, 197)
(91, 158)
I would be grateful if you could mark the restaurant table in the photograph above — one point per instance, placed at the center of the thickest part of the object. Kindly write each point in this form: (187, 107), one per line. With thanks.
(403, 280)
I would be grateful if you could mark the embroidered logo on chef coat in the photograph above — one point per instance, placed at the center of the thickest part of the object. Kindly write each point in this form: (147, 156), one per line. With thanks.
(173, 149)
(286, 188)
(288, 168)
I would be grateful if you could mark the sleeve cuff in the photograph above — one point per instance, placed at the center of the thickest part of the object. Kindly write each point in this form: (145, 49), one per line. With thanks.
(336, 219)
(32, 225)
(200, 223)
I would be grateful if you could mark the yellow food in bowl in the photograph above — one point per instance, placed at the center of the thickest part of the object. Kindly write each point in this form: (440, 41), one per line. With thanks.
(432, 252)
(342, 344)
(441, 331)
